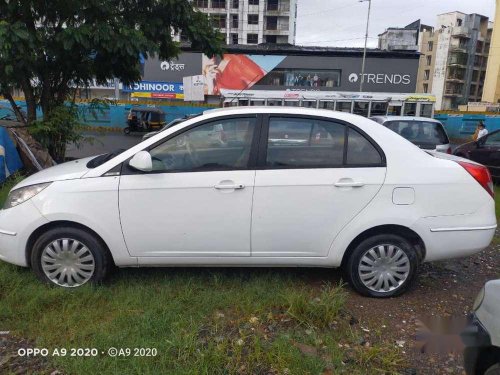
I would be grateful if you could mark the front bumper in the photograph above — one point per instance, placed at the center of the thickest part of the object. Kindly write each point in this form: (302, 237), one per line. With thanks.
(476, 339)
(16, 225)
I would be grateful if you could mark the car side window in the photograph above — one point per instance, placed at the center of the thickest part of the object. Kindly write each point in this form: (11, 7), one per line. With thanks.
(304, 142)
(493, 140)
(360, 151)
(222, 144)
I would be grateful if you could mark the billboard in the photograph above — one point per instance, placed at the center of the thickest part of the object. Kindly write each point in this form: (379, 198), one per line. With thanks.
(160, 90)
(236, 71)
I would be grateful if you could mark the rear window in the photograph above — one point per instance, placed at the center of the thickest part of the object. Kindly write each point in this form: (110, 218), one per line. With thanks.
(420, 132)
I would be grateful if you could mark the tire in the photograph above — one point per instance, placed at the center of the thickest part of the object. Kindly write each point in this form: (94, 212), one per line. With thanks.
(127, 130)
(373, 258)
(493, 370)
(74, 252)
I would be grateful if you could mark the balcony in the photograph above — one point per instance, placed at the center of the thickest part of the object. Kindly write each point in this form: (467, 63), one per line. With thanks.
(461, 48)
(458, 62)
(455, 78)
(278, 9)
(460, 31)
(453, 93)
(273, 29)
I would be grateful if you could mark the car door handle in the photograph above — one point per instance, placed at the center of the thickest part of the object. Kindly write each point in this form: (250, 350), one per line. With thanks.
(349, 184)
(229, 187)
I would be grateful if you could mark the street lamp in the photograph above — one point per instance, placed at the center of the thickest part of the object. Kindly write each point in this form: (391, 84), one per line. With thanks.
(366, 41)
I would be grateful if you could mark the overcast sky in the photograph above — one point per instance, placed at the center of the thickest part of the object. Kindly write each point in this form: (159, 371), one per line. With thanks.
(342, 23)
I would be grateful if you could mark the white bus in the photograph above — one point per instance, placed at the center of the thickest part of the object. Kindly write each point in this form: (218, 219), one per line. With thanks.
(364, 103)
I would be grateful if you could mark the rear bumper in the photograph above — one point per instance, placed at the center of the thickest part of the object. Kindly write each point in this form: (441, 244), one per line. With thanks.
(456, 236)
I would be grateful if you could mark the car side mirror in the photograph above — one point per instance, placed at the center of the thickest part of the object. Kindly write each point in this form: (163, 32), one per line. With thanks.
(142, 161)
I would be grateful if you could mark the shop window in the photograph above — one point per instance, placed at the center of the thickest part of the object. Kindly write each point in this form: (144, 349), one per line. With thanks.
(302, 78)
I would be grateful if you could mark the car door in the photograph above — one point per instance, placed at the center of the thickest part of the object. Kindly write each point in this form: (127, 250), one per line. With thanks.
(314, 176)
(487, 153)
(197, 200)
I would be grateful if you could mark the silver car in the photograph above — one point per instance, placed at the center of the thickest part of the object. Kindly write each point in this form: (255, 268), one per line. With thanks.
(426, 133)
(482, 336)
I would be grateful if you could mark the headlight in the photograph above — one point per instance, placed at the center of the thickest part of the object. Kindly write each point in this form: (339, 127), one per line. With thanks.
(23, 194)
(478, 301)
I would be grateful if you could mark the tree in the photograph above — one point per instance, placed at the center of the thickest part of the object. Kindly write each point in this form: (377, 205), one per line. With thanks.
(47, 48)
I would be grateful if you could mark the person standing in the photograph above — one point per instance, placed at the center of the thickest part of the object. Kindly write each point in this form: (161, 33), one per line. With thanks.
(480, 128)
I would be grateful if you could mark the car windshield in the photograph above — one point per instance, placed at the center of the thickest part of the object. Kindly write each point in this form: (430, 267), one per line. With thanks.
(419, 132)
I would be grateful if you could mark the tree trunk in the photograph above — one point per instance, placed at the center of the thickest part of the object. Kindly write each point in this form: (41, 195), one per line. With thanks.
(29, 96)
(15, 108)
(34, 155)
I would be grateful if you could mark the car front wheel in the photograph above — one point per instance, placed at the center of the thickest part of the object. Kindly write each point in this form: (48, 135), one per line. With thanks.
(69, 257)
(384, 265)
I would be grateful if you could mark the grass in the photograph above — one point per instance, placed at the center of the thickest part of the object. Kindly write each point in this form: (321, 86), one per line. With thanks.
(200, 321)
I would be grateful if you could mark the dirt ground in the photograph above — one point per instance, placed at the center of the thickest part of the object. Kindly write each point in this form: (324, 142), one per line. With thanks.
(444, 290)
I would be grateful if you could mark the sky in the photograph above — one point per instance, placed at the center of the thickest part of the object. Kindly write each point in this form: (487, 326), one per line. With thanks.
(342, 23)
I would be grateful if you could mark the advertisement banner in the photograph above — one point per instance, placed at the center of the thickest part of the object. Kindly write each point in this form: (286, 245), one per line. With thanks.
(236, 72)
(194, 88)
(160, 90)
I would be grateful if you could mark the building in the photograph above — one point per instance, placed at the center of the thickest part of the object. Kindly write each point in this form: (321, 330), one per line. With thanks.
(454, 57)
(491, 92)
(401, 38)
(253, 21)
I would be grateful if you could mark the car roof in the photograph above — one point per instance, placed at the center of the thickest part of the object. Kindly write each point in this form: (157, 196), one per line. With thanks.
(405, 118)
(246, 110)
(146, 109)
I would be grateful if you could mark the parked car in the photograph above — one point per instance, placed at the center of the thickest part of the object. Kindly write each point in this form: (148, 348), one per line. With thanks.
(426, 133)
(482, 337)
(354, 196)
(169, 125)
(485, 151)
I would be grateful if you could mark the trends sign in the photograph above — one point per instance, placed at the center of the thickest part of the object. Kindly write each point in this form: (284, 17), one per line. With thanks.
(381, 79)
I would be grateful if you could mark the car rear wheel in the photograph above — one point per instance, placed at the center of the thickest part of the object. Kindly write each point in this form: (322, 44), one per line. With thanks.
(69, 257)
(384, 265)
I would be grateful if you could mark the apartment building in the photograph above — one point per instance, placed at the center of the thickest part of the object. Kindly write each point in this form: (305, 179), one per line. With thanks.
(454, 58)
(253, 21)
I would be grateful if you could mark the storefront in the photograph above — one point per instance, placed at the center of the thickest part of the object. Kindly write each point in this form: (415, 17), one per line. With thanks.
(282, 67)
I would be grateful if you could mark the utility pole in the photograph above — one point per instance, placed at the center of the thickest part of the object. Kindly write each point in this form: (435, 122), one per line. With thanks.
(361, 81)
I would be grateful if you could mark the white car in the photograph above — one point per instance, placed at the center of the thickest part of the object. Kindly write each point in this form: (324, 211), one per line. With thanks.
(355, 196)
(426, 133)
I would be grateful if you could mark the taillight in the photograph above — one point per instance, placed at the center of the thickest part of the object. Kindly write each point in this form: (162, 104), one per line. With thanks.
(481, 174)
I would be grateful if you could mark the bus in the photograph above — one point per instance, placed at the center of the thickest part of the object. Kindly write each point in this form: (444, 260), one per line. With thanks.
(363, 103)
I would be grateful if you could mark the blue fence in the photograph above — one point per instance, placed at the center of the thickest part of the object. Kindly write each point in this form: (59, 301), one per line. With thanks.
(462, 126)
(458, 126)
(116, 115)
